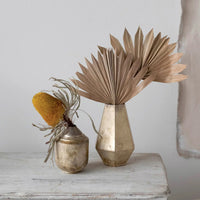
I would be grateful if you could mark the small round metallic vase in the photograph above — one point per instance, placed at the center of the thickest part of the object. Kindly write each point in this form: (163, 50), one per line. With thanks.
(71, 151)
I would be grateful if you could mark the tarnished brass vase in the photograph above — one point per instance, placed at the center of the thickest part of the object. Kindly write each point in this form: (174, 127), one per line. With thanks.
(71, 151)
(115, 145)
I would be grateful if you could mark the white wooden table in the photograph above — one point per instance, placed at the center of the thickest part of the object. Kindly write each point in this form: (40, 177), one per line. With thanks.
(25, 176)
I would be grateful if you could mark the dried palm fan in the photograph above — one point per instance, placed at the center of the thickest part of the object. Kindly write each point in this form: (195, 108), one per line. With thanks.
(111, 78)
(117, 75)
(154, 53)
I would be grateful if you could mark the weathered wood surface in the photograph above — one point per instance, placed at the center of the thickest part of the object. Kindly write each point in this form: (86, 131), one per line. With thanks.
(25, 176)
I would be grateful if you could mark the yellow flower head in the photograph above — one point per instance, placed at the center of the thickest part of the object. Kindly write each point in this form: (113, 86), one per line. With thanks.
(50, 108)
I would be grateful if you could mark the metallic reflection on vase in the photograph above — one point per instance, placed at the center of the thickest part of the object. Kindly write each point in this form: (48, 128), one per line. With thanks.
(71, 151)
(115, 145)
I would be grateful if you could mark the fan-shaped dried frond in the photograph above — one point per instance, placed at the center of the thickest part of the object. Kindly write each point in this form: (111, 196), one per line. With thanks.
(112, 77)
(154, 53)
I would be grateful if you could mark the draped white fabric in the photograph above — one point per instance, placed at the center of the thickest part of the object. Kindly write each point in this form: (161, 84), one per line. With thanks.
(188, 126)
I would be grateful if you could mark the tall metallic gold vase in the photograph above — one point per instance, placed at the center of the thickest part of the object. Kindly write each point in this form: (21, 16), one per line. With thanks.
(115, 143)
(71, 151)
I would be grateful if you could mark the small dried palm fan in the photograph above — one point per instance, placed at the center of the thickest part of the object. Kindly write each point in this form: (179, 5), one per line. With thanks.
(116, 76)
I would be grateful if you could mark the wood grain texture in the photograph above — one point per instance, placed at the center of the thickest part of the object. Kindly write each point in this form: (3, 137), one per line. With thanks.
(25, 176)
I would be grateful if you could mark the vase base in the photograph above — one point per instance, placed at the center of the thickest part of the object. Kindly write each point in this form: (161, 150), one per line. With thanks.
(72, 170)
(111, 163)
(115, 159)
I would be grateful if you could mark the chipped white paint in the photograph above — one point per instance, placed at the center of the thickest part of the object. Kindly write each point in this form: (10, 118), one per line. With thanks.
(25, 176)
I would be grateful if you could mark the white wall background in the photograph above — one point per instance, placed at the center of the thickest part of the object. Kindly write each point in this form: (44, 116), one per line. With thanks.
(40, 39)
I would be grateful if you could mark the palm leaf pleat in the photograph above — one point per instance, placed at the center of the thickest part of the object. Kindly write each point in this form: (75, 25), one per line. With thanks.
(118, 74)
(111, 78)
(154, 53)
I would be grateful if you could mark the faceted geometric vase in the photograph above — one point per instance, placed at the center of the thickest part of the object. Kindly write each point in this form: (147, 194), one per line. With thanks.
(115, 143)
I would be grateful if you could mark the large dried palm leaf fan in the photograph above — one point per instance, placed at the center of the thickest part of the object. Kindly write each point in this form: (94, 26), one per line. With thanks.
(154, 53)
(115, 76)
(111, 78)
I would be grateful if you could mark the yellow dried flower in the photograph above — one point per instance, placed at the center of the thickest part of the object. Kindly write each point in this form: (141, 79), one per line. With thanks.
(50, 108)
